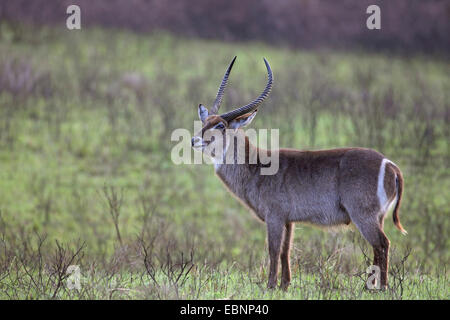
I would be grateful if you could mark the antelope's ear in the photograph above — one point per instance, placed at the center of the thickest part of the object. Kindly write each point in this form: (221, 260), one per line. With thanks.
(202, 112)
(242, 121)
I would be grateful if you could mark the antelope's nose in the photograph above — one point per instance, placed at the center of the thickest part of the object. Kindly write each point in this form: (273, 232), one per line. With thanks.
(195, 140)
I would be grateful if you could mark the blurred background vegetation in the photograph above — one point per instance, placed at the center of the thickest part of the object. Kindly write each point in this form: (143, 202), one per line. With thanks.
(86, 118)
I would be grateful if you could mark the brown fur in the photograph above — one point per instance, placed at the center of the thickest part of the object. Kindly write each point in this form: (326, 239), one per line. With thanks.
(325, 188)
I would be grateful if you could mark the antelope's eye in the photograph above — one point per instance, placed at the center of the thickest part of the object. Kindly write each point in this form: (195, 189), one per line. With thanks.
(220, 126)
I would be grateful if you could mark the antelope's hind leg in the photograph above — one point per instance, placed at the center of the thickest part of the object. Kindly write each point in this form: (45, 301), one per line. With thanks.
(372, 231)
(381, 254)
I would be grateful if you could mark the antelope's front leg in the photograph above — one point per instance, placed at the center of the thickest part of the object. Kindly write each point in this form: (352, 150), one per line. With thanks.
(274, 235)
(285, 254)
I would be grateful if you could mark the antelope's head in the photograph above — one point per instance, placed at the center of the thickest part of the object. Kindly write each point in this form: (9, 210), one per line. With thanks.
(216, 127)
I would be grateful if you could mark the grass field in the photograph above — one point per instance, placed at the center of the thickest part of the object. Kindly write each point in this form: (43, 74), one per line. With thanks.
(86, 176)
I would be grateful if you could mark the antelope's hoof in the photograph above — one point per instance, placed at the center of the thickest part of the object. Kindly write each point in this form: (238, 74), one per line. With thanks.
(284, 286)
(271, 286)
(375, 289)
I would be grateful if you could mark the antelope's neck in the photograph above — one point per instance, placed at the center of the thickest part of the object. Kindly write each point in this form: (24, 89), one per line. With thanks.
(236, 170)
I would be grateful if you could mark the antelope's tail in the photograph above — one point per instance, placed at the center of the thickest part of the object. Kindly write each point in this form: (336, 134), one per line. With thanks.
(399, 184)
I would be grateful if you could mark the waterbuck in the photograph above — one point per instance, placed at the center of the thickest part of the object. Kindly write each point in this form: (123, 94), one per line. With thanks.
(326, 187)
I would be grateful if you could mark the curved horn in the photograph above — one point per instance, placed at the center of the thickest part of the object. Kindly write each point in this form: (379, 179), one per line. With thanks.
(255, 103)
(218, 101)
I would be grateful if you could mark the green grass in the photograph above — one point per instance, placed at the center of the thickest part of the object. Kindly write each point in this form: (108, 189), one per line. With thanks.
(219, 283)
(76, 125)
